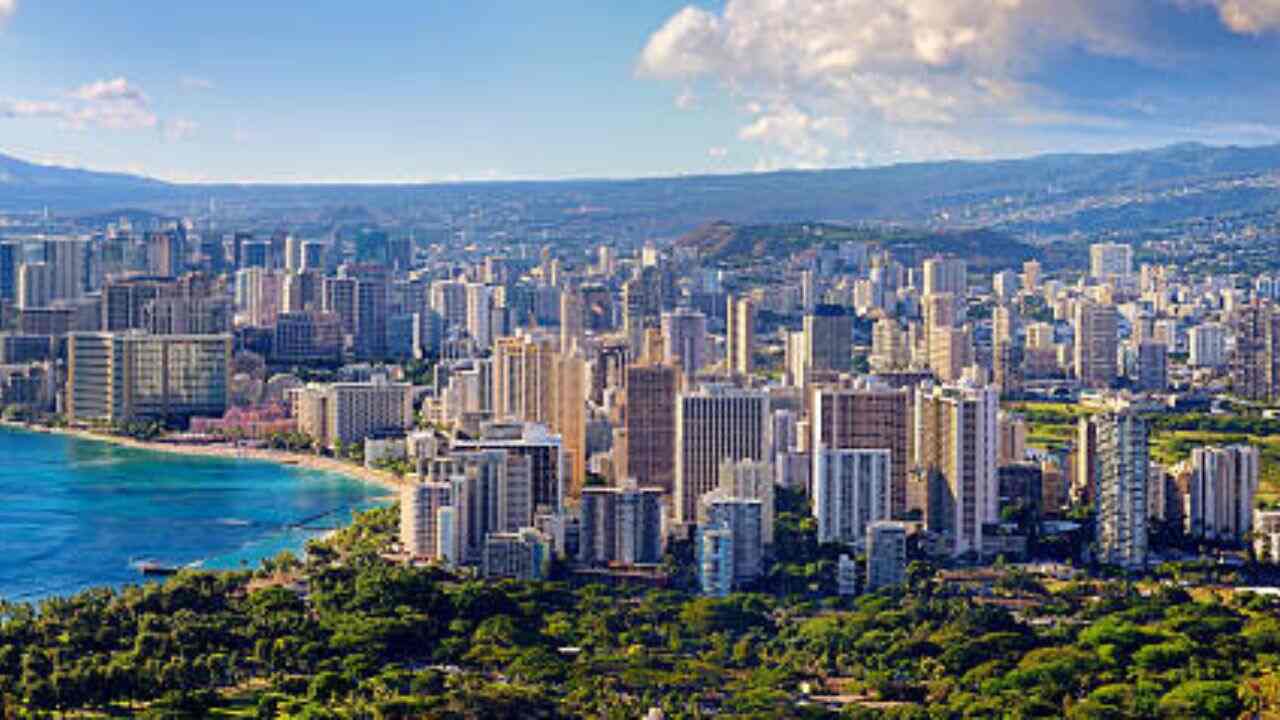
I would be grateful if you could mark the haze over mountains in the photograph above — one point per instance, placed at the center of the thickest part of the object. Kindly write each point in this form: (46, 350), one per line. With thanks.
(1037, 197)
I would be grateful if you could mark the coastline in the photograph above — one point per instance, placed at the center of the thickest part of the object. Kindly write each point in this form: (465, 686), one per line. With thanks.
(381, 478)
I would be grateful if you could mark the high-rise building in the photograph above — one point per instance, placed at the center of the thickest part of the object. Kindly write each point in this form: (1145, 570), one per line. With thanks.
(523, 555)
(621, 525)
(449, 298)
(544, 450)
(369, 309)
(1207, 346)
(851, 490)
(950, 352)
(868, 416)
(480, 306)
(10, 259)
(828, 339)
(1221, 491)
(1012, 445)
(1255, 362)
(1152, 367)
(420, 527)
(572, 317)
(886, 555)
(307, 337)
(955, 445)
(715, 424)
(730, 545)
(35, 285)
(68, 259)
(350, 412)
(1095, 344)
(1004, 324)
(1123, 462)
(684, 340)
(1110, 261)
(651, 425)
(491, 492)
(165, 254)
(740, 336)
(131, 376)
(1004, 285)
(714, 559)
(750, 480)
(1007, 367)
(946, 275)
(1031, 275)
(889, 348)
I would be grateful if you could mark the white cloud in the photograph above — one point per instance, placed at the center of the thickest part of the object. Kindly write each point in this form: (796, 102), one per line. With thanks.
(7, 9)
(110, 104)
(810, 75)
(1250, 17)
(717, 152)
(107, 90)
(687, 99)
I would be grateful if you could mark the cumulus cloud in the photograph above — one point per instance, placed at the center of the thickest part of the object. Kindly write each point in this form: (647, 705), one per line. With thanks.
(113, 104)
(1246, 17)
(810, 76)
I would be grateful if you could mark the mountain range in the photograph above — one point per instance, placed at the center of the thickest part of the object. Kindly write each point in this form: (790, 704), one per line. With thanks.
(1037, 196)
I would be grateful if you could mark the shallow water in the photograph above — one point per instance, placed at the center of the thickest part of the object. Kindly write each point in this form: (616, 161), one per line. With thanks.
(79, 513)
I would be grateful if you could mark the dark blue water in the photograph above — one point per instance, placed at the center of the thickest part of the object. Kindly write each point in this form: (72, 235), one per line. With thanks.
(79, 513)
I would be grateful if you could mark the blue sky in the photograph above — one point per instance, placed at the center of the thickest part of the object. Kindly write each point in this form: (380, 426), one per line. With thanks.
(442, 90)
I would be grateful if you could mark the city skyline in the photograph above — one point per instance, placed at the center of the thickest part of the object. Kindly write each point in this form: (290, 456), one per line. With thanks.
(409, 93)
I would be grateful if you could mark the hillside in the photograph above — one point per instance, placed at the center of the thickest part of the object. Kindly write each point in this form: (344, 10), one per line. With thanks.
(730, 245)
(1046, 197)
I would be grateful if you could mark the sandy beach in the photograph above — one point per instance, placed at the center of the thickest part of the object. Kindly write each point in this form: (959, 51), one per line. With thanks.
(387, 480)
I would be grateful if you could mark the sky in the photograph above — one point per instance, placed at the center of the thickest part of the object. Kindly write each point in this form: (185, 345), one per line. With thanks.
(447, 90)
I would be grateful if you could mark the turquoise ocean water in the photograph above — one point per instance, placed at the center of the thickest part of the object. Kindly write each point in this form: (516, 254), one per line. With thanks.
(78, 513)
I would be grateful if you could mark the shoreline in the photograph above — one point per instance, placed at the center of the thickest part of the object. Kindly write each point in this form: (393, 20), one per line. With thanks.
(386, 480)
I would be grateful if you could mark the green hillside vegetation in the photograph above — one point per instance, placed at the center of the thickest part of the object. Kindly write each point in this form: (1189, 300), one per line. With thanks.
(368, 639)
(729, 245)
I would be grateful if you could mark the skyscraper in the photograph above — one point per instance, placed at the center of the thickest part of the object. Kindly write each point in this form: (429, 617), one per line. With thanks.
(1221, 491)
(946, 275)
(621, 525)
(651, 425)
(868, 416)
(1255, 362)
(1110, 260)
(420, 505)
(68, 259)
(1096, 338)
(828, 338)
(1122, 467)
(684, 340)
(730, 545)
(740, 336)
(956, 440)
(851, 490)
(130, 376)
(10, 259)
(886, 555)
(715, 424)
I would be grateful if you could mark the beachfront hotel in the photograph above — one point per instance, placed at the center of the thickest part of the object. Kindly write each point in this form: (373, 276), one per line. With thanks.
(132, 376)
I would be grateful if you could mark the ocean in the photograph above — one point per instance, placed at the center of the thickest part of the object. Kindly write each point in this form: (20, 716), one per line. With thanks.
(80, 513)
